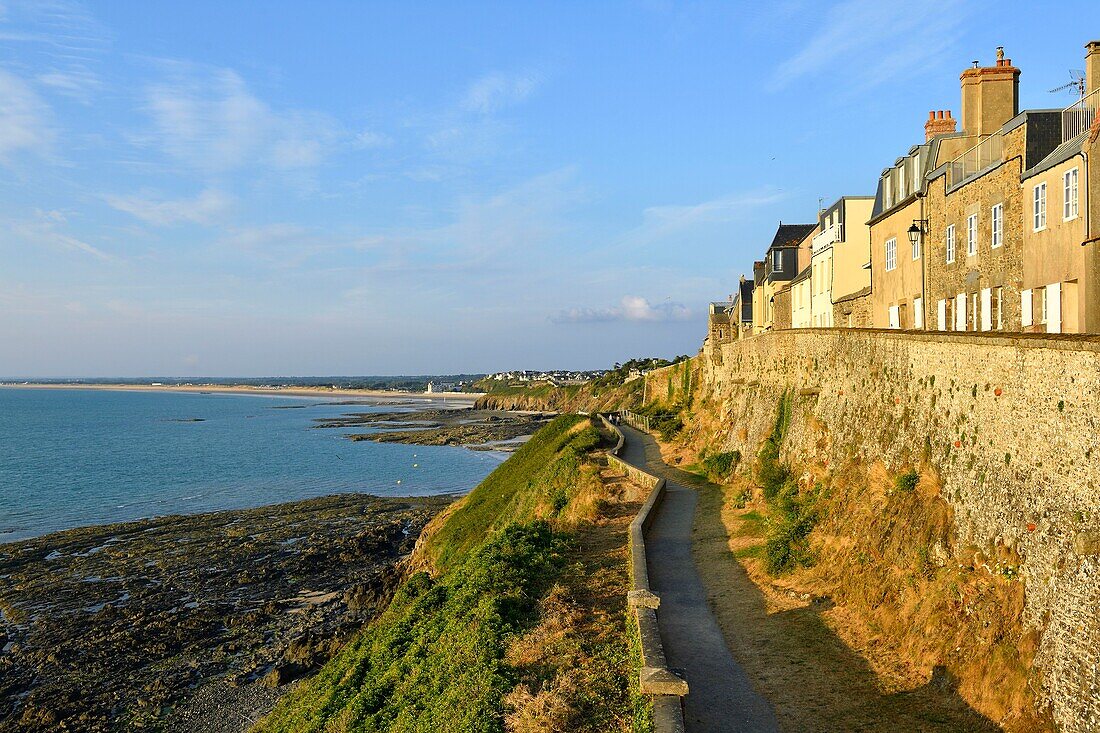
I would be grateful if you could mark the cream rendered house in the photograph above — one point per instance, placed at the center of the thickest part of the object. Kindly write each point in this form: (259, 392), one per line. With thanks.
(1060, 292)
(840, 252)
(801, 293)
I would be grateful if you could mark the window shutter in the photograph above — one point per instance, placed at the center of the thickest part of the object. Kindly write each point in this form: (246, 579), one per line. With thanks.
(941, 315)
(1026, 318)
(987, 309)
(895, 321)
(960, 312)
(1054, 308)
(918, 312)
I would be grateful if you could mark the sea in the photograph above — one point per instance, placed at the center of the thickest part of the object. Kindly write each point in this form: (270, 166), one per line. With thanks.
(75, 457)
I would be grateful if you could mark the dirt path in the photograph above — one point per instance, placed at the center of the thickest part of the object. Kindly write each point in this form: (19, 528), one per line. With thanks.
(722, 698)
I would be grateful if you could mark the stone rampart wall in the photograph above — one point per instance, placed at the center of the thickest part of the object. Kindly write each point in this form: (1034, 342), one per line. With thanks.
(1011, 424)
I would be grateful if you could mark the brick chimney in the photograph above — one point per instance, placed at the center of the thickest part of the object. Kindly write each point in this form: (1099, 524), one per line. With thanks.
(990, 95)
(939, 123)
(1092, 66)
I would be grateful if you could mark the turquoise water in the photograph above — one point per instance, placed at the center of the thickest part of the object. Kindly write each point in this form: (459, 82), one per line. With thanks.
(75, 457)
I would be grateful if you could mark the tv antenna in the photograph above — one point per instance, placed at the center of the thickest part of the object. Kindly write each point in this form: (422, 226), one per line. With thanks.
(1076, 83)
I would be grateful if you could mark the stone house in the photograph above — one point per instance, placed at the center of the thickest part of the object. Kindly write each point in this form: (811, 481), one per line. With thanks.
(973, 228)
(781, 308)
(839, 254)
(987, 215)
(719, 327)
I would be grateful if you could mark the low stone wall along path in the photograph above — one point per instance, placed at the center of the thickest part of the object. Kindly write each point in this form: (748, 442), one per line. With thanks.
(721, 696)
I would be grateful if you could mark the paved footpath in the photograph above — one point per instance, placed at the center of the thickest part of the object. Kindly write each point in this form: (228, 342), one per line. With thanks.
(721, 697)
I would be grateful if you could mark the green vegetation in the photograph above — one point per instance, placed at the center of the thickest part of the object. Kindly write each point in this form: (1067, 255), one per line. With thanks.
(523, 629)
(793, 512)
(907, 481)
(665, 419)
(542, 473)
(719, 466)
(435, 660)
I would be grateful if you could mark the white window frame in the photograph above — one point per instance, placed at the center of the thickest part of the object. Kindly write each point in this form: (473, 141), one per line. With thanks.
(1039, 207)
(960, 312)
(941, 314)
(997, 226)
(916, 247)
(949, 243)
(972, 235)
(1070, 195)
(916, 173)
(777, 260)
(891, 254)
(1026, 307)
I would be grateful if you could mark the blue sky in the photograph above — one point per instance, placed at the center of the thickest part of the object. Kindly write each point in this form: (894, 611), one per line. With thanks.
(239, 188)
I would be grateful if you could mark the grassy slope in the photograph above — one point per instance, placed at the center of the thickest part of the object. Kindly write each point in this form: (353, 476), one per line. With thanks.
(541, 472)
(519, 627)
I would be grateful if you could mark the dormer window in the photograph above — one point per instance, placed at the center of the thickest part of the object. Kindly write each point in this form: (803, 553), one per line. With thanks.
(777, 260)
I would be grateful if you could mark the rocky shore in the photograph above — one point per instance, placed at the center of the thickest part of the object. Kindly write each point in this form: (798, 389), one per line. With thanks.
(475, 429)
(191, 623)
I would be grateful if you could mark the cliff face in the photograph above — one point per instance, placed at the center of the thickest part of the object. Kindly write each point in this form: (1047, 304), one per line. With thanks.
(1004, 434)
(589, 397)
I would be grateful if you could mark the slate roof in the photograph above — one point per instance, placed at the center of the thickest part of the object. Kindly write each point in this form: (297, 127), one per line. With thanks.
(1060, 154)
(789, 235)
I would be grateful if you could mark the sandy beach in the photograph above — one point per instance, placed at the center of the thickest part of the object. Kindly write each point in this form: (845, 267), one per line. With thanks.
(248, 389)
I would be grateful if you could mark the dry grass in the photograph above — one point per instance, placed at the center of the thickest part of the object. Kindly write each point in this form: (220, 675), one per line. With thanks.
(576, 672)
(851, 642)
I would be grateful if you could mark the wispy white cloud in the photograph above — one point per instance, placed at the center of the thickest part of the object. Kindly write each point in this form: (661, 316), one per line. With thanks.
(23, 118)
(204, 208)
(633, 308)
(78, 83)
(372, 139)
(210, 120)
(498, 90)
(670, 221)
(44, 230)
(873, 41)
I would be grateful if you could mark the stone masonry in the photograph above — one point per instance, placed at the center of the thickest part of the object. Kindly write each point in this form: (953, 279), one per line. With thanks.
(1010, 423)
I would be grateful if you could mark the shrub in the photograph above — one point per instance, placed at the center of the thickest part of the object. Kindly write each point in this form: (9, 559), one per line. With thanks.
(907, 482)
(721, 465)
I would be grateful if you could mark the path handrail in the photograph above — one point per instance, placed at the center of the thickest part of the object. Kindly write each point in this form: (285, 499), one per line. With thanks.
(655, 678)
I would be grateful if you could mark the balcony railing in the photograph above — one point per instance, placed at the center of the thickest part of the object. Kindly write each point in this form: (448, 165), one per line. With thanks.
(1077, 118)
(835, 233)
(986, 153)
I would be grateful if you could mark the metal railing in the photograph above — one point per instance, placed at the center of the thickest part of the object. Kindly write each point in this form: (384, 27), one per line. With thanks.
(834, 233)
(987, 152)
(1077, 118)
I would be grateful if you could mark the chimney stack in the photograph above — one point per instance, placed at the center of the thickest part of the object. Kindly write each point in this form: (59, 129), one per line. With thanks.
(990, 96)
(1092, 66)
(939, 123)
